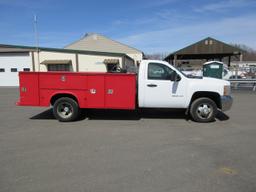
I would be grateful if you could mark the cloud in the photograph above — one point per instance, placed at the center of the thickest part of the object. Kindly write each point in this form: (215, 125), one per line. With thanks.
(158, 20)
(135, 22)
(225, 5)
(29, 4)
(46, 39)
(158, 3)
(235, 29)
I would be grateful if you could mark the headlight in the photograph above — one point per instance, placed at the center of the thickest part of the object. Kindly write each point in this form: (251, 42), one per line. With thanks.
(226, 90)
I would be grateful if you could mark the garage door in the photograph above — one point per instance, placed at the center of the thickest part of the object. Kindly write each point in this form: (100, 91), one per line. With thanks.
(11, 64)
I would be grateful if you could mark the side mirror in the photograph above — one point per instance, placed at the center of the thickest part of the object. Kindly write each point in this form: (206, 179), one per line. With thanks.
(175, 76)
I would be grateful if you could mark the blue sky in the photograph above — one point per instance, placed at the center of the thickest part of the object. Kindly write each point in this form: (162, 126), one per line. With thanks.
(153, 26)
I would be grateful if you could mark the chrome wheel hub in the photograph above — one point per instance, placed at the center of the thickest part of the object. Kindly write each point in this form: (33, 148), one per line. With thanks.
(204, 111)
(65, 110)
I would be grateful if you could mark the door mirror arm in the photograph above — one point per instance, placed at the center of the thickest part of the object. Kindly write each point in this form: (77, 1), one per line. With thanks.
(175, 77)
(178, 78)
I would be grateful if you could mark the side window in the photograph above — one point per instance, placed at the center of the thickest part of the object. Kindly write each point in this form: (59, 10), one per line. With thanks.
(14, 70)
(59, 67)
(157, 71)
(26, 69)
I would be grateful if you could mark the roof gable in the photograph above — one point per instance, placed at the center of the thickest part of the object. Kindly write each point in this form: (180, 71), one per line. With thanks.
(97, 42)
(207, 46)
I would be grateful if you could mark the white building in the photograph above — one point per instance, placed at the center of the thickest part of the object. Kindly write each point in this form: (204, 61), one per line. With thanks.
(13, 60)
(23, 58)
(97, 42)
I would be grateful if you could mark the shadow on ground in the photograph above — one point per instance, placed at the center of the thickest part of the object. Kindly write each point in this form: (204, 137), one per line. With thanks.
(136, 115)
(94, 114)
(222, 116)
(46, 115)
(98, 114)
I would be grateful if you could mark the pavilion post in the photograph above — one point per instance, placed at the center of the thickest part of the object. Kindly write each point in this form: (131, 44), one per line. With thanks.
(241, 57)
(174, 60)
(229, 60)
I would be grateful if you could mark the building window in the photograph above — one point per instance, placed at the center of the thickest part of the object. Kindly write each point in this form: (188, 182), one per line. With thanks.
(26, 69)
(111, 67)
(59, 67)
(14, 70)
(111, 64)
(2, 70)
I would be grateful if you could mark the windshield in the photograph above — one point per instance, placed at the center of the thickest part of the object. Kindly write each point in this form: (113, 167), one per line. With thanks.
(179, 71)
(188, 75)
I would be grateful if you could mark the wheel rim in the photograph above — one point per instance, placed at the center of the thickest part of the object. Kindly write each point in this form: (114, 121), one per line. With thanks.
(65, 110)
(204, 111)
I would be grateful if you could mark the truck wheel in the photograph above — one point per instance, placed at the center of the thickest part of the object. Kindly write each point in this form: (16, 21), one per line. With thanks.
(203, 110)
(66, 109)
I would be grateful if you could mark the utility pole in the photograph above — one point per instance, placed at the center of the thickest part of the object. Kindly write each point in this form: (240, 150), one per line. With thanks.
(36, 40)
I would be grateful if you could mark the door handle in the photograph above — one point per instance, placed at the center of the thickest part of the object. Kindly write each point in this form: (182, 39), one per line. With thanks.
(151, 85)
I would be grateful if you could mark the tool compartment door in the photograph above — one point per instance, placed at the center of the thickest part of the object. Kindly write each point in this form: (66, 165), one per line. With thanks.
(95, 91)
(29, 90)
(120, 91)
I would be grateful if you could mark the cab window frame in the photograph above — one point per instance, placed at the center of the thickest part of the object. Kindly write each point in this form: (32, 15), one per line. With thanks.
(165, 68)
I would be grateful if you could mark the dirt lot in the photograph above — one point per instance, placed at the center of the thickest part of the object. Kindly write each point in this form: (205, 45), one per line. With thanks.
(119, 151)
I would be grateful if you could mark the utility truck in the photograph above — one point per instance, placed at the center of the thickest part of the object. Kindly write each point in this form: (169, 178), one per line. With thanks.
(157, 85)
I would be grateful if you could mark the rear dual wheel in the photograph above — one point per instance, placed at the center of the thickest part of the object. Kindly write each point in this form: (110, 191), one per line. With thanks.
(66, 109)
(203, 110)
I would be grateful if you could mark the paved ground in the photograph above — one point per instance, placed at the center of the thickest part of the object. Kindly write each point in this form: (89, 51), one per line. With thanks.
(118, 152)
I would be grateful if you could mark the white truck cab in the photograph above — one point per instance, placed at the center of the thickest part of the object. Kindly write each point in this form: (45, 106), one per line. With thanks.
(160, 85)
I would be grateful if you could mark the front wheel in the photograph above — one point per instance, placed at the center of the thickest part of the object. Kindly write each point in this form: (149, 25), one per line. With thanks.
(203, 110)
(66, 109)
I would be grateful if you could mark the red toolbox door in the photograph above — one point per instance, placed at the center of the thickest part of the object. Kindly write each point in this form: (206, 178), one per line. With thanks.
(120, 91)
(95, 91)
(29, 90)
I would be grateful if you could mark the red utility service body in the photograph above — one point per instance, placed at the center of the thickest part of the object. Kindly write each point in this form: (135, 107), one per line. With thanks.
(91, 90)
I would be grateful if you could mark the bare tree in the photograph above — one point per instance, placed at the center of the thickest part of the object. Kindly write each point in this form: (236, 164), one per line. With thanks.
(156, 56)
(249, 54)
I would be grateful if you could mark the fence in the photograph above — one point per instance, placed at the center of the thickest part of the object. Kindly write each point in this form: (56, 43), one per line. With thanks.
(243, 83)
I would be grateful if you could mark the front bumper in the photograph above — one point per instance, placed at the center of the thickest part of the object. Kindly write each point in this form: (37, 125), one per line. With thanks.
(226, 102)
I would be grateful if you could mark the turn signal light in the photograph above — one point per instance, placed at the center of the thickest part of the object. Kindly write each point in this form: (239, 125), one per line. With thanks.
(226, 90)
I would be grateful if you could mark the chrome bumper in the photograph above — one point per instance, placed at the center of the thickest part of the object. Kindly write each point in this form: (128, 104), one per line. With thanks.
(226, 102)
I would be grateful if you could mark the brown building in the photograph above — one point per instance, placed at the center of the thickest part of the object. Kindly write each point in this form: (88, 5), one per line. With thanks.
(205, 50)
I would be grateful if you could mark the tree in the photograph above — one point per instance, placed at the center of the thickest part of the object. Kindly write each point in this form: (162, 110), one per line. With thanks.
(249, 54)
(156, 56)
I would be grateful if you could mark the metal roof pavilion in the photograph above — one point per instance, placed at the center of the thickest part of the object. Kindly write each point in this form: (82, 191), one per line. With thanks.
(208, 49)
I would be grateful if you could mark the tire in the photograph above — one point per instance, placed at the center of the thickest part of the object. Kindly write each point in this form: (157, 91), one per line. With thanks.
(66, 109)
(203, 110)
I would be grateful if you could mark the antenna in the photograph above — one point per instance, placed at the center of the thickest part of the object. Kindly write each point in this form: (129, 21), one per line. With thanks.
(36, 40)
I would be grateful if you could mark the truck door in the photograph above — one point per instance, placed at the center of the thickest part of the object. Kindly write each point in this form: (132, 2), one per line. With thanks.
(29, 91)
(95, 93)
(160, 91)
(120, 91)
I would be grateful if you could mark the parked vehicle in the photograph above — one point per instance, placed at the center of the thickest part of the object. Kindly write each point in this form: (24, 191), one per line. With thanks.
(226, 73)
(158, 85)
(192, 72)
(235, 77)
